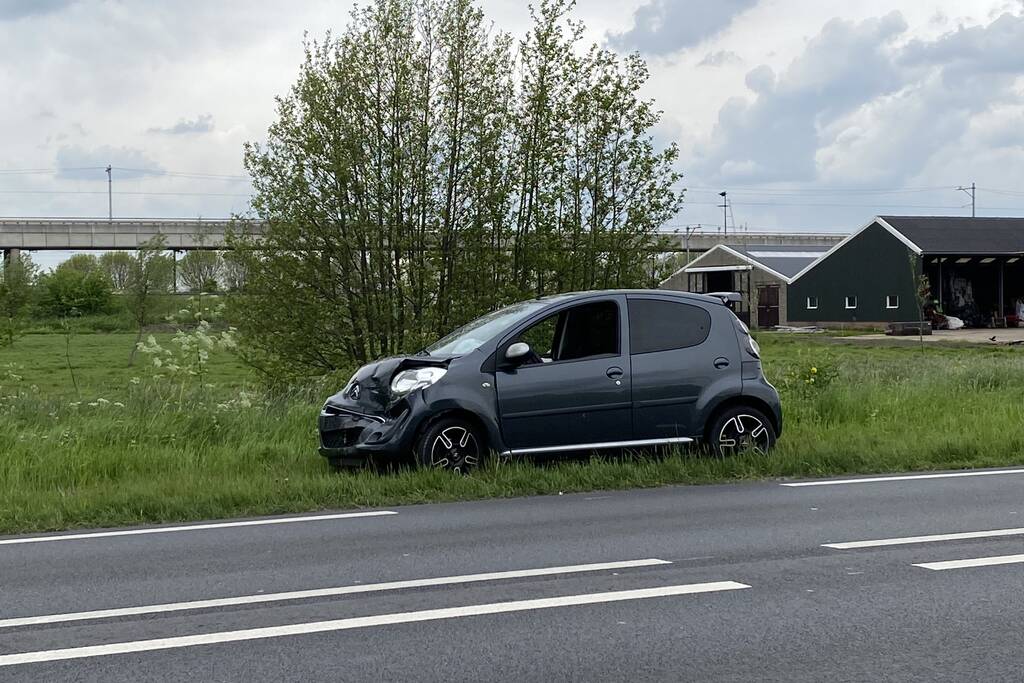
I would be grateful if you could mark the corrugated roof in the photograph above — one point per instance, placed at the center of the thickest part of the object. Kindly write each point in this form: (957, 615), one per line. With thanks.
(785, 260)
(961, 234)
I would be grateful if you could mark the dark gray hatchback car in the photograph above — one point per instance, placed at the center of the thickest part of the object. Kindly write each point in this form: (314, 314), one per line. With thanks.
(573, 372)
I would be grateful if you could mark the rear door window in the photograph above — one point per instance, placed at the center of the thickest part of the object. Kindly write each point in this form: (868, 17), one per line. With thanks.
(660, 325)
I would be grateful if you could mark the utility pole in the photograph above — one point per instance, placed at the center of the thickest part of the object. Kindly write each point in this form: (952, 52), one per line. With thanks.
(689, 230)
(110, 195)
(725, 208)
(969, 191)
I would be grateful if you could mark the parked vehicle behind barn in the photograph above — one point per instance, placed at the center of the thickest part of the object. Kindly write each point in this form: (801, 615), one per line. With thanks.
(572, 372)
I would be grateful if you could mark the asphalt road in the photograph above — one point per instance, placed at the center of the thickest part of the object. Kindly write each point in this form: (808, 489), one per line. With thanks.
(733, 583)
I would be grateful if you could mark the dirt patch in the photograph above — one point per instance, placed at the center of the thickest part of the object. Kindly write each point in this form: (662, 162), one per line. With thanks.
(998, 336)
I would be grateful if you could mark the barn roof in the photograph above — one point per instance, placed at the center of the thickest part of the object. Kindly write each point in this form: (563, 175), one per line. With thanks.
(781, 261)
(960, 234)
(785, 260)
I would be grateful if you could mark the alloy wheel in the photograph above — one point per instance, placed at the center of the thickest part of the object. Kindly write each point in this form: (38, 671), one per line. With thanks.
(455, 449)
(744, 432)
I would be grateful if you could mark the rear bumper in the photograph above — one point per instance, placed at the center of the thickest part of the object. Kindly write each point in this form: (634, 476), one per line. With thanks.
(352, 438)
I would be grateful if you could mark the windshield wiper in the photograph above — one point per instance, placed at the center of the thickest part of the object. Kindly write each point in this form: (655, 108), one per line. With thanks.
(422, 352)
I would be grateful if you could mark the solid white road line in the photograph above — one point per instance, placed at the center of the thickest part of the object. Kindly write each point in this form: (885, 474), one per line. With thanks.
(194, 527)
(976, 562)
(324, 592)
(902, 477)
(924, 539)
(362, 622)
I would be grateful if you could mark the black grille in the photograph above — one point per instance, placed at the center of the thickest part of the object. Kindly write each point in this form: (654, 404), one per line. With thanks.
(341, 438)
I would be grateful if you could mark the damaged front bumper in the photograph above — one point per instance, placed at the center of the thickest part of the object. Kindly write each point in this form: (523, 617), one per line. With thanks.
(349, 437)
(366, 420)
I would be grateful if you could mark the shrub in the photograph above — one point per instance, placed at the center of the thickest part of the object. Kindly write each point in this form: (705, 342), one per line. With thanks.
(68, 289)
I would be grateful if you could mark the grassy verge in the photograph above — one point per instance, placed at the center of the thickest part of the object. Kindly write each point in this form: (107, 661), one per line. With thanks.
(123, 452)
(118, 317)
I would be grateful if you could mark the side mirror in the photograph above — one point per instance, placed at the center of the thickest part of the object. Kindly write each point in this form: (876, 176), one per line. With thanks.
(517, 352)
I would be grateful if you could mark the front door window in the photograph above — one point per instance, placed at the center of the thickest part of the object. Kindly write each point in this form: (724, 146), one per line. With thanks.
(585, 331)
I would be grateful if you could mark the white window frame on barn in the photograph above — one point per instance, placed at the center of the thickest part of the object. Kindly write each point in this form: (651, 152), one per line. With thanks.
(890, 298)
(812, 306)
(848, 300)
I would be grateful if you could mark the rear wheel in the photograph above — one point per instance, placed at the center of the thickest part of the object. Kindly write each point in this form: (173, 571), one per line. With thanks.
(451, 443)
(741, 429)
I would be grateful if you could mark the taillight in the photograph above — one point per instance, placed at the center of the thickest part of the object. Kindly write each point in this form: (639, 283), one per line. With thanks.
(753, 348)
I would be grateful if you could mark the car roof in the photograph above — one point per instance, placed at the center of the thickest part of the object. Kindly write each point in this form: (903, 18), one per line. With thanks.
(691, 296)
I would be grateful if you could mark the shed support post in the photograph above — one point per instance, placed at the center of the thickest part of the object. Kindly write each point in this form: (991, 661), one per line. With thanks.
(1002, 301)
(940, 282)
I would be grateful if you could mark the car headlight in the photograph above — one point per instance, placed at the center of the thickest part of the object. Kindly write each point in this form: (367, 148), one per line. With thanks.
(408, 381)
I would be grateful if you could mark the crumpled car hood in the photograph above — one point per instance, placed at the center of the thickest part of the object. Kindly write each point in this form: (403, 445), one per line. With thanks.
(370, 389)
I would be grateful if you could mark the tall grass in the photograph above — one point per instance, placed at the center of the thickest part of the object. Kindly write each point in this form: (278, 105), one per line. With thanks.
(152, 451)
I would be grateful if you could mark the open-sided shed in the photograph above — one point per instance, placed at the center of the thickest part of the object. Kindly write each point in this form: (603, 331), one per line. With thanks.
(761, 274)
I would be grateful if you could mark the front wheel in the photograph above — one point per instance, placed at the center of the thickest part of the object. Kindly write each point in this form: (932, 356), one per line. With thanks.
(453, 444)
(739, 430)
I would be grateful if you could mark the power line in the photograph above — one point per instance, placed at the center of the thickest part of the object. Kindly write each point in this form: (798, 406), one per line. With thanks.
(44, 171)
(800, 192)
(118, 192)
(970, 192)
(866, 205)
(758, 189)
(184, 174)
(143, 171)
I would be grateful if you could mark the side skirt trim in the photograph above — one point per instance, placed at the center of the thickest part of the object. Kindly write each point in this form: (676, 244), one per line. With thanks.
(598, 446)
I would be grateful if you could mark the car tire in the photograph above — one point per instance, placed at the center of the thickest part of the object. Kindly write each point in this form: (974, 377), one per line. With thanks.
(451, 443)
(740, 429)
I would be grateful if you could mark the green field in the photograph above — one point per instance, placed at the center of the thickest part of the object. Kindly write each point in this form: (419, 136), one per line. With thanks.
(131, 448)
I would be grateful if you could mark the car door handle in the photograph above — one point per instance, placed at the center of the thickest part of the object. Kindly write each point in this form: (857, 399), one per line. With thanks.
(614, 372)
(721, 362)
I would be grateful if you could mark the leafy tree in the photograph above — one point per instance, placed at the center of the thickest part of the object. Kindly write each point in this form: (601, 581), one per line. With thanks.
(200, 270)
(82, 263)
(162, 273)
(424, 169)
(71, 288)
(147, 278)
(17, 280)
(233, 271)
(117, 265)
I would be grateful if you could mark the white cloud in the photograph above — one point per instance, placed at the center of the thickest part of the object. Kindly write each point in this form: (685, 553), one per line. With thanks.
(12, 10)
(720, 58)
(201, 124)
(662, 27)
(790, 93)
(73, 161)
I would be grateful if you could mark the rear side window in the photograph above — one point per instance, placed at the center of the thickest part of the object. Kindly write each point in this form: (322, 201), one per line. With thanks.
(659, 325)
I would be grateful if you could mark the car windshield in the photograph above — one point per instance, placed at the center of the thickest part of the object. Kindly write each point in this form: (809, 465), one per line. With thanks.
(470, 336)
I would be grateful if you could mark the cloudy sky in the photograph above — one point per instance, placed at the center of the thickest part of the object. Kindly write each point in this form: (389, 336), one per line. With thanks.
(813, 114)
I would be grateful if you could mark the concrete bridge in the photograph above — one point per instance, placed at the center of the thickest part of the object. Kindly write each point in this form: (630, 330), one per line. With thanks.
(702, 241)
(82, 234)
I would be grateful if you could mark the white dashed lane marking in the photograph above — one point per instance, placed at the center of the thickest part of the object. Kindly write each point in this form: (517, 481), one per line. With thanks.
(270, 521)
(322, 593)
(363, 622)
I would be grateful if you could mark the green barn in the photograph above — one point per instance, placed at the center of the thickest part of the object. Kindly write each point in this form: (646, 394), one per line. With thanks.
(972, 269)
